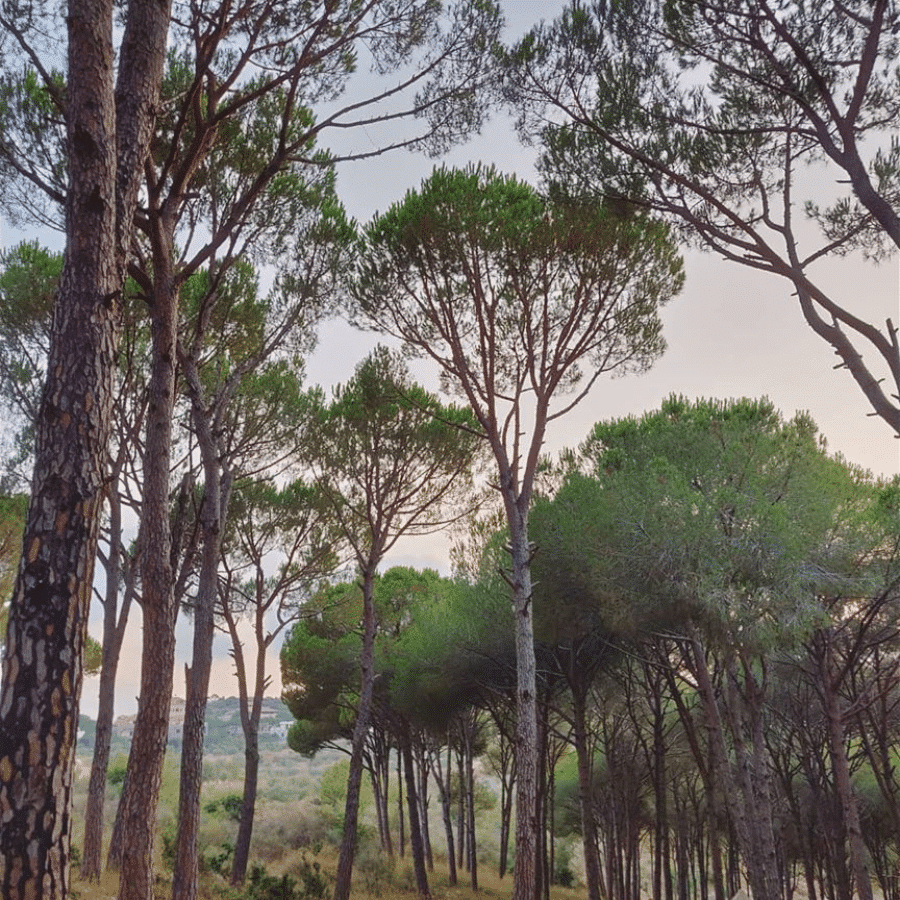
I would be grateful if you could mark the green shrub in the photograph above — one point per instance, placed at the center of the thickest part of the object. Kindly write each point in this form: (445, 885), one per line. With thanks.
(562, 867)
(230, 804)
(220, 862)
(312, 884)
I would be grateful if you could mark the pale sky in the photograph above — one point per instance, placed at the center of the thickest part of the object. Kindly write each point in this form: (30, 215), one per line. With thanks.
(732, 332)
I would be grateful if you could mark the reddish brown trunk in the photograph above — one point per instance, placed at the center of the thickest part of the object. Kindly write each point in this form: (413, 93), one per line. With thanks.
(136, 830)
(215, 506)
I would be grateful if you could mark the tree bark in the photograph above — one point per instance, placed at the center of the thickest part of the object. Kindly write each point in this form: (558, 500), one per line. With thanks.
(114, 621)
(589, 838)
(42, 672)
(416, 843)
(136, 826)
(444, 788)
(471, 845)
(525, 885)
(217, 489)
(248, 804)
(841, 769)
(251, 712)
(347, 851)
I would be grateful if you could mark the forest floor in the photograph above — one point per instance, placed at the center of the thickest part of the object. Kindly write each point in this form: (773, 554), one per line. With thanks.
(296, 833)
(391, 889)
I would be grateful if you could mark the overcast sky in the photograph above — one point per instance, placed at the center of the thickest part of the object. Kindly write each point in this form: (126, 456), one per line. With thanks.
(731, 333)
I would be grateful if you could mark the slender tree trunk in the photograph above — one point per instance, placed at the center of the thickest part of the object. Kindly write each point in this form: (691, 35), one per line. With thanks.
(841, 768)
(746, 794)
(443, 783)
(216, 493)
(416, 844)
(251, 711)
(525, 885)
(344, 873)
(401, 817)
(460, 802)
(114, 621)
(507, 793)
(421, 759)
(589, 839)
(133, 852)
(470, 801)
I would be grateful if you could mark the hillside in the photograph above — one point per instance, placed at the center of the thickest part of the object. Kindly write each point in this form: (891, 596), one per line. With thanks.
(223, 727)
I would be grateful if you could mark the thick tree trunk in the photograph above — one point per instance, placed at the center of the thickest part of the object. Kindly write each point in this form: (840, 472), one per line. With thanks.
(42, 671)
(344, 875)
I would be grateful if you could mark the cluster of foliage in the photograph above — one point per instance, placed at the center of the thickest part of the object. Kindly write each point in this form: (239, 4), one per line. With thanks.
(717, 617)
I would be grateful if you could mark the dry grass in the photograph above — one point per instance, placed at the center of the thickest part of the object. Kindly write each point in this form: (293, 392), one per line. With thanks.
(393, 883)
(294, 823)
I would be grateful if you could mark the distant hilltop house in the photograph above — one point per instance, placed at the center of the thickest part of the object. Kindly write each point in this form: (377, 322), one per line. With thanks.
(124, 725)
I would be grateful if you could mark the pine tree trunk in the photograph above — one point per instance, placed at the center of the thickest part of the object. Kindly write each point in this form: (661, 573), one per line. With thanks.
(248, 809)
(589, 839)
(416, 844)
(421, 759)
(114, 620)
(525, 885)
(42, 671)
(843, 785)
(443, 783)
(217, 488)
(347, 851)
(471, 845)
(136, 825)
(251, 713)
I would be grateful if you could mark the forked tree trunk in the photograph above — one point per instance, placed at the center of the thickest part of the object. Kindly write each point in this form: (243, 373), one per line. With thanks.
(837, 752)
(444, 788)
